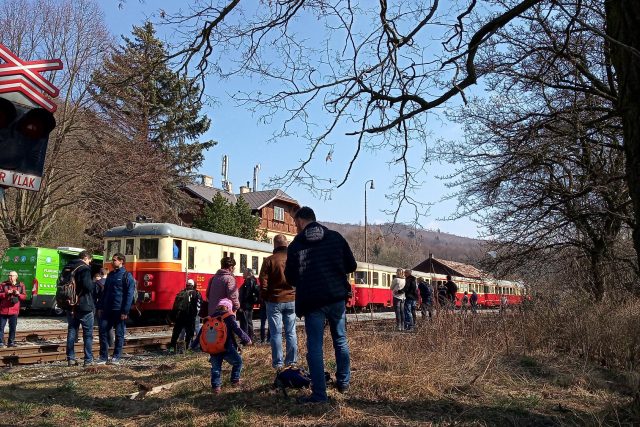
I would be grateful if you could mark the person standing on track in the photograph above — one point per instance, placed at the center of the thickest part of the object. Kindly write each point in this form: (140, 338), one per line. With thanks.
(83, 313)
(397, 289)
(279, 297)
(223, 285)
(115, 304)
(11, 293)
(248, 296)
(318, 262)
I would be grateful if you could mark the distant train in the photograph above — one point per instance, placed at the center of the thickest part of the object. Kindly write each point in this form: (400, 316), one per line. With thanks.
(372, 284)
(162, 256)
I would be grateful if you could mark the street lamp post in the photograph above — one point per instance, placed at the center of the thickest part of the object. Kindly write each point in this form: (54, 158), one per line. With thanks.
(366, 249)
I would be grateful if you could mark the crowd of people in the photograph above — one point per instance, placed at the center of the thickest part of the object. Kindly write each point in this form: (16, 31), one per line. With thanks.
(306, 278)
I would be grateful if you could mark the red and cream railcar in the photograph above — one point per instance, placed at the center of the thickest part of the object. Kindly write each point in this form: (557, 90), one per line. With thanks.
(163, 256)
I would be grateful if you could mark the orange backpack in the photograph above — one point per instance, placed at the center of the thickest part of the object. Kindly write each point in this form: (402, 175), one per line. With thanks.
(213, 335)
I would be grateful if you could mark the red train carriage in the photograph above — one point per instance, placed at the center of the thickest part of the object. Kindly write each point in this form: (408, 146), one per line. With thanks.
(163, 256)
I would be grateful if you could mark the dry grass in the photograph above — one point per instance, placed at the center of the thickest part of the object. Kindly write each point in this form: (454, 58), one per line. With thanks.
(474, 371)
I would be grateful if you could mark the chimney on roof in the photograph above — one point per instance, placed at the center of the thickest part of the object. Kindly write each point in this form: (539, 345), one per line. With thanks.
(207, 181)
(245, 189)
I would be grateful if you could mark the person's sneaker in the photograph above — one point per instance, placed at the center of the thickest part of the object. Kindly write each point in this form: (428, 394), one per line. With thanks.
(342, 388)
(100, 362)
(88, 363)
(309, 399)
(1, 345)
(12, 345)
(236, 383)
(216, 390)
(72, 362)
(113, 362)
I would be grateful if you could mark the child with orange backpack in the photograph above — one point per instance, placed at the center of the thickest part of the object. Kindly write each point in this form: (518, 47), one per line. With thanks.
(216, 338)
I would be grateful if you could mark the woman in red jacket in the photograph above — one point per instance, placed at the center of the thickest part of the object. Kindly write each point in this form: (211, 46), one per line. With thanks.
(11, 293)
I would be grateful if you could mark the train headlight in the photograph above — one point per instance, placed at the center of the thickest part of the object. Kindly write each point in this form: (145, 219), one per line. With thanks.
(148, 277)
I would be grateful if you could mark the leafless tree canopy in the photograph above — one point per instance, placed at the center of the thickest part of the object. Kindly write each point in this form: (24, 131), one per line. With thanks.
(377, 69)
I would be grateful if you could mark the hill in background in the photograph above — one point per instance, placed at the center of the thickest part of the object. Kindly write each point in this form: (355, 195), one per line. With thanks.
(404, 246)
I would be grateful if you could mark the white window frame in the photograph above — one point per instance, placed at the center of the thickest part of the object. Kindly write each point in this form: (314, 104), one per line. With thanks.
(278, 213)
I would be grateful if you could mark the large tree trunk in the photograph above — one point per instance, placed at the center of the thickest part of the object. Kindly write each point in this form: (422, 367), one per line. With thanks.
(623, 25)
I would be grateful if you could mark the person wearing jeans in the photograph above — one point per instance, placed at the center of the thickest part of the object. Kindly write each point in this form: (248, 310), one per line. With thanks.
(74, 321)
(314, 323)
(115, 304)
(318, 262)
(411, 299)
(279, 314)
(11, 294)
(279, 297)
(81, 314)
(397, 290)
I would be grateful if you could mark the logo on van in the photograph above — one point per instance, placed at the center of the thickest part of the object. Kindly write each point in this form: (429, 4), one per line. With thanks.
(23, 258)
(32, 259)
(16, 258)
(48, 260)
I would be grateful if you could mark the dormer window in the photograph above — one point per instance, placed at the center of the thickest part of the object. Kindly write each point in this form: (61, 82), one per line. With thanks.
(278, 213)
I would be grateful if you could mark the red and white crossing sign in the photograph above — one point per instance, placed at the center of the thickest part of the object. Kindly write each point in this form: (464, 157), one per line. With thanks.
(24, 77)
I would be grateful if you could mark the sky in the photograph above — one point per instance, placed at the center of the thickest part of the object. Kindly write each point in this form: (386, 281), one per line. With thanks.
(243, 139)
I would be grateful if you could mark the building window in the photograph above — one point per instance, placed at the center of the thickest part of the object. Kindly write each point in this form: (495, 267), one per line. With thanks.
(254, 263)
(148, 248)
(278, 213)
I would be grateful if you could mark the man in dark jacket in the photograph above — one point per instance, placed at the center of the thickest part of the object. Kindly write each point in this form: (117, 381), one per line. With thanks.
(115, 305)
(185, 310)
(248, 296)
(318, 262)
(279, 297)
(426, 297)
(410, 300)
(452, 290)
(81, 314)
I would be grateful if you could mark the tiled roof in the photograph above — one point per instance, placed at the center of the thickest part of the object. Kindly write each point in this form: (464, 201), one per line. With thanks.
(208, 193)
(259, 199)
(450, 267)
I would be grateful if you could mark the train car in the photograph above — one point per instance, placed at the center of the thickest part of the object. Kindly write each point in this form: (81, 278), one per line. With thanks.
(371, 285)
(162, 256)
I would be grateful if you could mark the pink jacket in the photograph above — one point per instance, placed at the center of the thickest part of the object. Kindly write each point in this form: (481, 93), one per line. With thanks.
(222, 285)
(7, 307)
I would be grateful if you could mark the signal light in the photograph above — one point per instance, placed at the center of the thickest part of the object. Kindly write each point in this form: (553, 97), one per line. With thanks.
(24, 135)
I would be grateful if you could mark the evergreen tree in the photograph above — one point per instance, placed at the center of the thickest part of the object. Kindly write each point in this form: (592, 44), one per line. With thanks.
(148, 103)
(221, 216)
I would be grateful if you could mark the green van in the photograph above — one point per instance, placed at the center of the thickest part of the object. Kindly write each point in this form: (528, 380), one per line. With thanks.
(39, 268)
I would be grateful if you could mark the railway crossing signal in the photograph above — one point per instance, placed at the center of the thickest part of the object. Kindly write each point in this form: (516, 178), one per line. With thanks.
(26, 119)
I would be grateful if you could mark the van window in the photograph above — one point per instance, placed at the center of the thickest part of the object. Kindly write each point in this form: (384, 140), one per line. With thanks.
(149, 248)
(113, 247)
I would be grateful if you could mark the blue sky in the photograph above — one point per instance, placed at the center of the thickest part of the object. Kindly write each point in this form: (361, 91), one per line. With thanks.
(241, 137)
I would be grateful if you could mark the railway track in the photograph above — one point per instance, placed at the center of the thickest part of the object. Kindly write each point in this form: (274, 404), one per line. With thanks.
(50, 345)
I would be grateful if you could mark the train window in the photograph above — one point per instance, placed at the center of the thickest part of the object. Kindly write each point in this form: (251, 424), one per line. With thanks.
(113, 247)
(376, 281)
(128, 247)
(177, 249)
(243, 262)
(148, 248)
(254, 263)
(191, 258)
(278, 213)
(232, 255)
(361, 277)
